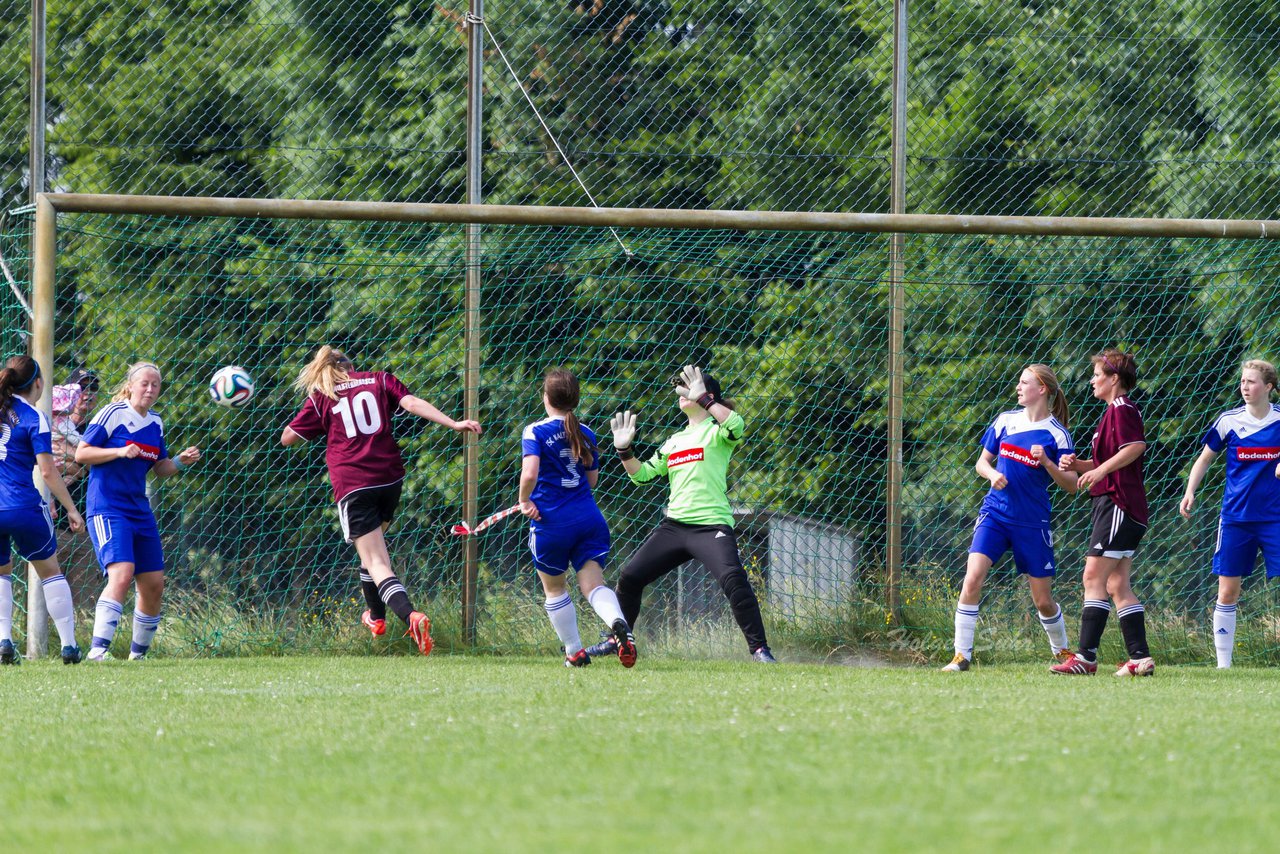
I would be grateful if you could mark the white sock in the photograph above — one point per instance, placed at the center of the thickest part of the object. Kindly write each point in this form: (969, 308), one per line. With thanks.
(1224, 632)
(144, 629)
(6, 607)
(57, 599)
(966, 624)
(106, 616)
(1056, 628)
(565, 621)
(605, 603)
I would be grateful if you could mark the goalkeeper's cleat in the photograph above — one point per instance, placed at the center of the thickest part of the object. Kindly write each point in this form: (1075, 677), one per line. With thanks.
(1074, 665)
(377, 627)
(71, 654)
(9, 655)
(763, 656)
(420, 631)
(959, 664)
(608, 646)
(1137, 667)
(578, 659)
(626, 643)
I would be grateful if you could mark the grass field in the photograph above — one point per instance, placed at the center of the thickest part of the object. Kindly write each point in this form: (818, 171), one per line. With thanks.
(466, 753)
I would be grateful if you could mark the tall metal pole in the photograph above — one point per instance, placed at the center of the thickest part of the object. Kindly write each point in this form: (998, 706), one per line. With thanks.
(471, 372)
(42, 298)
(897, 319)
(44, 256)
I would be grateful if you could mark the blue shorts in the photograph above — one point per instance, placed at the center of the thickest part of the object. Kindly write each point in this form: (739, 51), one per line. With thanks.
(117, 539)
(554, 549)
(1032, 547)
(1238, 544)
(31, 530)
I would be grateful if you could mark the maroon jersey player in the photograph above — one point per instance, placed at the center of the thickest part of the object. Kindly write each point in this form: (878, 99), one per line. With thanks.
(1114, 479)
(352, 411)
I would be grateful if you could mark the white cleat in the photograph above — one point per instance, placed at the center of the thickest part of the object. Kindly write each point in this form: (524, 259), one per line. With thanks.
(1137, 667)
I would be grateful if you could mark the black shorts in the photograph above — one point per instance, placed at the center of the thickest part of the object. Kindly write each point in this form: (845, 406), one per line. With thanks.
(365, 510)
(1115, 534)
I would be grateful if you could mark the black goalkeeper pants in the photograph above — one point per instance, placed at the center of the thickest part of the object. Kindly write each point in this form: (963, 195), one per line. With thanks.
(715, 546)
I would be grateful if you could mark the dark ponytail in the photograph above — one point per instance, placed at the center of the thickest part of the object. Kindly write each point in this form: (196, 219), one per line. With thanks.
(18, 375)
(561, 388)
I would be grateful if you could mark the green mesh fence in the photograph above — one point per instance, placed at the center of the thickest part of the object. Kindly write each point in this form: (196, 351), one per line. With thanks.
(794, 324)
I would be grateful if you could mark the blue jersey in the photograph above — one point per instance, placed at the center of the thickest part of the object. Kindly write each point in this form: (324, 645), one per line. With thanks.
(119, 487)
(1025, 500)
(23, 434)
(1252, 446)
(562, 493)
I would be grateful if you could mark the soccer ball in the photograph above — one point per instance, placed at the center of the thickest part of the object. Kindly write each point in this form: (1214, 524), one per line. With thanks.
(231, 386)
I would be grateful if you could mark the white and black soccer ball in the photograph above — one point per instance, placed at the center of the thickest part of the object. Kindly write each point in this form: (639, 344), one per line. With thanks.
(231, 386)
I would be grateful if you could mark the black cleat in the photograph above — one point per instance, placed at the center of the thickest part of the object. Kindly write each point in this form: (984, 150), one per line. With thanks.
(763, 656)
(578, 659)
(71, 654)
(9, 655)
(625, 642)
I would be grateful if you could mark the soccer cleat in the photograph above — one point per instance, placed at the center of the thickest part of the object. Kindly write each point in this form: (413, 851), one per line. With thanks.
(71, 654)
(1137, 667)
(97, 653)
(1062, 655)
(377, 627)
(625, 642)
(9, 655)
(608, 646)
(137, 656)
(1074, 665)
(420, 631)
(578, 659)
(763, 656)
(959, 664)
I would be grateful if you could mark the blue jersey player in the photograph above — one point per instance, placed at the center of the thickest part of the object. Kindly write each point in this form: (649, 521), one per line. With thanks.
(25, 443)
(1249, 435)
(1020, 452)
(122, 445)
(561, 466)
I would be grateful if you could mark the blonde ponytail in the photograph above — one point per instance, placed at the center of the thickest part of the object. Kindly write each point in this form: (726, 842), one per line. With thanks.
(327, 368)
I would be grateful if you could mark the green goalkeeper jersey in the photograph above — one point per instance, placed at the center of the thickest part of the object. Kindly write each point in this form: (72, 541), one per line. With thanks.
(696, 461)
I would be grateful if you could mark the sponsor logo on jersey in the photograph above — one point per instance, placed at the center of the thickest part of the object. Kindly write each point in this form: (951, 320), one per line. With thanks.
(679, 458)
(1254, 455)
(1018, 455)
(149, 452)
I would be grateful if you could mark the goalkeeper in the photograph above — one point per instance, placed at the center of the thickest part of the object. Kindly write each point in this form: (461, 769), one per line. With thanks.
(699, 523)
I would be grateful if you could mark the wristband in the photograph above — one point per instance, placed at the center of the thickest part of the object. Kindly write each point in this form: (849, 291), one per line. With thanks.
(179, 464)
(706, 400)
(625, 454)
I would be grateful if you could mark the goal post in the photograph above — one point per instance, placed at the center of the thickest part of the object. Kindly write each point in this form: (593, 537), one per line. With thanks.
(790, 307)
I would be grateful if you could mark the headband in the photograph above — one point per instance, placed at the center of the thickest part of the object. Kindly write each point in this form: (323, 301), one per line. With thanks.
(139, 367)
(1107, 362)
(29, 382)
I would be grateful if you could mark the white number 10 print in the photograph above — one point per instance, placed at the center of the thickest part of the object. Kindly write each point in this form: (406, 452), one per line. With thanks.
(364, 407)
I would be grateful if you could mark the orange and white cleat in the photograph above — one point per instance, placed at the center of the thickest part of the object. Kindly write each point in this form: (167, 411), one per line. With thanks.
(377, 627)
(420, 631)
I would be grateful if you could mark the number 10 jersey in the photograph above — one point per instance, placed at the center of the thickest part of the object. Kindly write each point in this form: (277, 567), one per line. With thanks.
(361, 451)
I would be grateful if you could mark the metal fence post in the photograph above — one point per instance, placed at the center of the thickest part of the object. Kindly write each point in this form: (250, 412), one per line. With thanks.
(42, 296)
(897, 311)
(472, 338)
